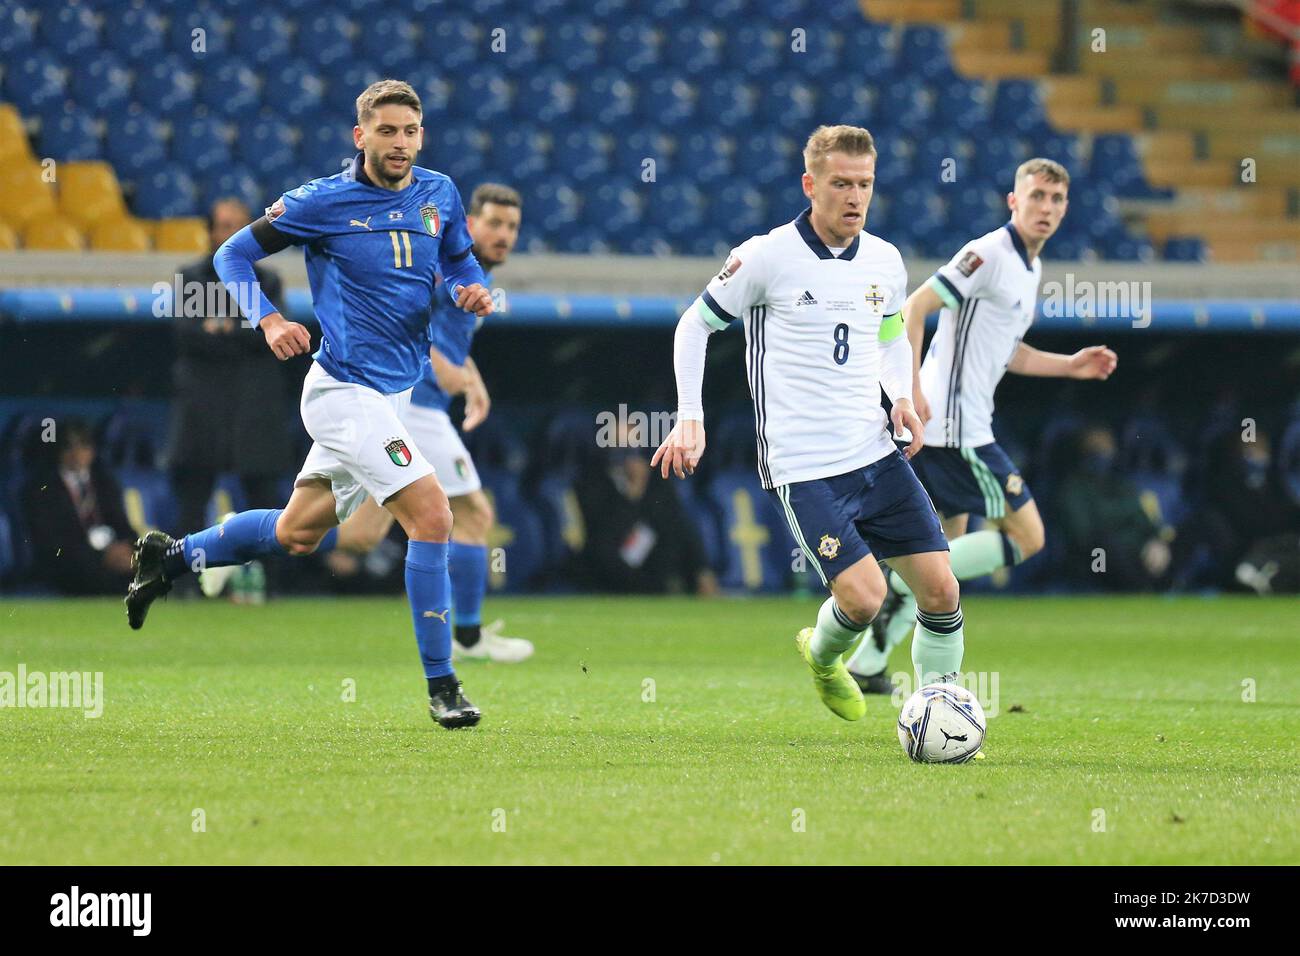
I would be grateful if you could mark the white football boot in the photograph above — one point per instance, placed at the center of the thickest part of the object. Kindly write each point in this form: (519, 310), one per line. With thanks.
(493, 646)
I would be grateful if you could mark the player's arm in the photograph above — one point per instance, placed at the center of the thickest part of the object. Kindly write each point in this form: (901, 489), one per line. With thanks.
(459, 267)
(234, 264)
(919, 304)
(1093, 362)
(477, 401)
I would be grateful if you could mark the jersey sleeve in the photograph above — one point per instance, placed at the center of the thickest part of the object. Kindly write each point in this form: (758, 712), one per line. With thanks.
(455, 253)
(895, 292)
(296, 218)
(966, 276)
(740, 284)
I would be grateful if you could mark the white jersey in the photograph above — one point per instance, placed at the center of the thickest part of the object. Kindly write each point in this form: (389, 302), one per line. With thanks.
(813, 323)
(990, 290)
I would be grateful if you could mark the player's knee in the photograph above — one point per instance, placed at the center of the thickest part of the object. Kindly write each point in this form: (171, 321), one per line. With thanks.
(1029, 541)
(861, 600)
(299, 541)
(431, 523)
(941, 594)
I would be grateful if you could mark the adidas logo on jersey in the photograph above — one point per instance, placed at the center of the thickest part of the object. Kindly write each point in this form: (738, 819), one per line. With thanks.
(805, 299)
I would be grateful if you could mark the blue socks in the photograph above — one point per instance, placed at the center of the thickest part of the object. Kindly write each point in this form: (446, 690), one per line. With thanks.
(241, 538)
(467, 564)
(428, 588)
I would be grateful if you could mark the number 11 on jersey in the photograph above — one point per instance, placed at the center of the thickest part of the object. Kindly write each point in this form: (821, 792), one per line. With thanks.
(397, 250)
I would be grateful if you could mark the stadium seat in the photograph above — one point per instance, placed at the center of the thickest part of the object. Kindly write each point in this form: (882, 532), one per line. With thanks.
(169, 191)
(755, 547)
(24, 194)
(34, 82)
(14, 147)
(633, 47)
(53, 235)
(147, 498)
(101, 82)
(138, 34)
(166, 85)
(19, 31)
(1184, 249)
(89, 193)
(120, 235)
(181, 235)
(69, 31)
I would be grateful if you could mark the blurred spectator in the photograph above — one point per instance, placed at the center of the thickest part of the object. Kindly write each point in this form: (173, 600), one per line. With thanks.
(639, 537)
(1247, 517)
(1101, 508)
(81, 539)
(231, 412)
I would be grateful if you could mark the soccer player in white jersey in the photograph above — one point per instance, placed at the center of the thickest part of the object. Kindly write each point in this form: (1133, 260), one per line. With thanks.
(820, 299)
(987, 294)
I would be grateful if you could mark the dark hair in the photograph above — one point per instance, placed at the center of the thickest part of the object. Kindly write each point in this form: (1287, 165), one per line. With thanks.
(497, 193)
(382, 92)
(227, 201)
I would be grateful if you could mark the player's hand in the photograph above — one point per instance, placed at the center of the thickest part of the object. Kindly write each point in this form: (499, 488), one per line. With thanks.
(921, 404)
(474, 298)
(477, 403)
(286, 339)
(681, 450)
(904, 416)
(1096, 361)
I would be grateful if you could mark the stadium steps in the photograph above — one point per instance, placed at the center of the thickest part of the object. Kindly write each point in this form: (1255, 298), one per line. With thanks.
(1193, 112)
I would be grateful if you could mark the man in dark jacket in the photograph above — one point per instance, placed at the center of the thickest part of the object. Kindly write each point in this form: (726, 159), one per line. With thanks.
(231, 411)
(81, 539)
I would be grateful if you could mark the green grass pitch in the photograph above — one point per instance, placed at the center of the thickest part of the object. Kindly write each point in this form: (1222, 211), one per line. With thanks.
(1129, 741)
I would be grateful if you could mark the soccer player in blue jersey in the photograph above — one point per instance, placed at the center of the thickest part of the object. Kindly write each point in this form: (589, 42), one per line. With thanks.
(494, 216)
(375, 237)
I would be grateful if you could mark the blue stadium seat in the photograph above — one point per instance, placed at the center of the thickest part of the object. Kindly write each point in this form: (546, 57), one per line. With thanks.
(962, 106)
(70, 134)
(606, 98)
(819, 58)
(389, 40)
(138, 34)
(165, 193)
(459, 42)
(546, 97)
(695, 48)
(295, 89)
(34, 82)
(633, 47)
(766, 158)
(573, 44)
(789, 106)
(237, 181)
(847, 100)
(704, 157)
(261, 147)
(669, 100)
(521, 149)
(100, 82)
(136, 145)
(925, 50)
(261, 37)
(758, 51)
(483, 94)
(17, 30)
(435, 93)
(1184, 249)
(201, 144)
(230, 89)
(344, 84)
(868, 47)
(70, 31)
(183, 34)
(325, 38)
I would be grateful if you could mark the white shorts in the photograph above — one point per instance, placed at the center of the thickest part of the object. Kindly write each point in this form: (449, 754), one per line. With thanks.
(441, 443)
(360, 441)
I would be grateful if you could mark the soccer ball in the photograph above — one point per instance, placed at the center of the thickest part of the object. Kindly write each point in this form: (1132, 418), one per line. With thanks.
(941, 723)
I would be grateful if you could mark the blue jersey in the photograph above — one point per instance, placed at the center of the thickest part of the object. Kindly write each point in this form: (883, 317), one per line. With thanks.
(373, 256)
(453, 331)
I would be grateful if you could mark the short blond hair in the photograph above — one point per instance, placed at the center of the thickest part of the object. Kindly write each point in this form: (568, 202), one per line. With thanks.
(381, 92)
(1049, 169)
(850, 140)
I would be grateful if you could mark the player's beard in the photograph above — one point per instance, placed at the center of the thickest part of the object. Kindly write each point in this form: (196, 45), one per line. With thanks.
(375, 163)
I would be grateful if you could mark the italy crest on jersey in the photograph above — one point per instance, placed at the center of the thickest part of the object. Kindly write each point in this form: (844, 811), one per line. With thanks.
(398, 451)
(432, 221)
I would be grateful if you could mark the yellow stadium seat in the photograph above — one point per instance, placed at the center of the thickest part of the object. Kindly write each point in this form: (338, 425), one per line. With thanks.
(54, 235)
(8, 239)
(181, 235)
(14, 146)
(120, 235)
(89, 193)
(24, 194)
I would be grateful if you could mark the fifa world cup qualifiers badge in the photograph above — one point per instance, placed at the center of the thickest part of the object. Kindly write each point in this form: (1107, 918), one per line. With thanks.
(729, 270)
(969, 263)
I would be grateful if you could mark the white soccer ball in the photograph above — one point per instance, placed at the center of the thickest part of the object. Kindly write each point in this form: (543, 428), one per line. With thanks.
(941, 723)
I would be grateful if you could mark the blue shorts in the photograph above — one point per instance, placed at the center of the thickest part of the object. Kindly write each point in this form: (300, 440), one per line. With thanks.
(880, 509)
(982, 481)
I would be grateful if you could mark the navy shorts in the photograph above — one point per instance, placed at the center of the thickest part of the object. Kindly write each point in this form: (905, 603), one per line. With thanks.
(880, 509)
(982, 481)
